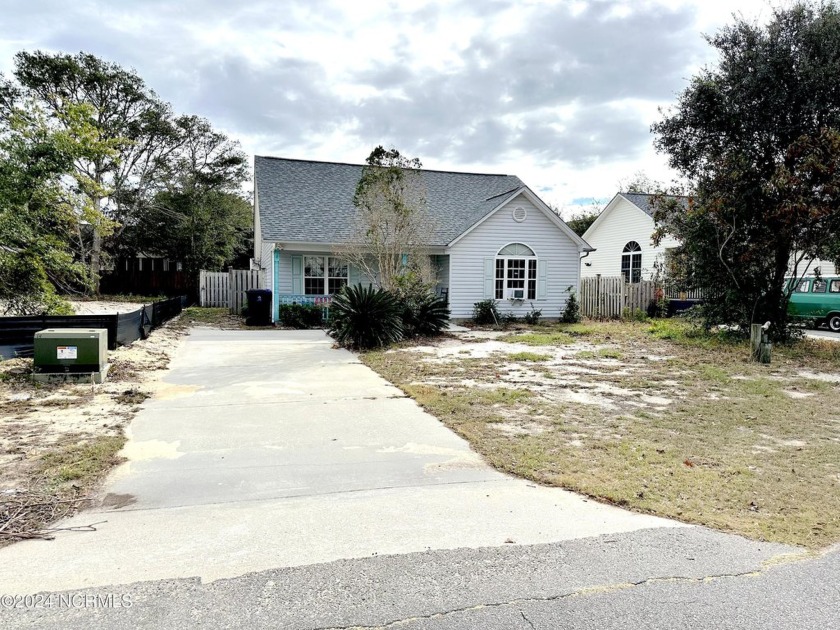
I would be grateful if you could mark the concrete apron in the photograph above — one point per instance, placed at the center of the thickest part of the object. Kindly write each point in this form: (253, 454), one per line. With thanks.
(272, 449)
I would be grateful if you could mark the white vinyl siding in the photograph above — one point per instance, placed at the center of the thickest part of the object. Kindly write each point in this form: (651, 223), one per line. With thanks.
(266, 262)
(471, 258)
(623, 223)
(258, 242)
(826, 268)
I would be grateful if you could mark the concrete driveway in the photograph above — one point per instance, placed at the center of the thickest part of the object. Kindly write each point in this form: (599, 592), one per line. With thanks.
(271, 449)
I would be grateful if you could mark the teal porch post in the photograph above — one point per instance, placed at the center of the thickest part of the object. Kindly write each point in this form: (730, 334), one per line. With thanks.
(276, 286)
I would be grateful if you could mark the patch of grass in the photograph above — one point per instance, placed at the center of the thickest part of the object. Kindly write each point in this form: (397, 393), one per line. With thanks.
(82, 463)
(502, 396)
(713, 373)
(760, 387)
(737, 454)
(610, 353)
(807, 349)
(601, 353)
(669, 329)
(60, 483)
(578, 330)
(212, 317)
(540, 339)
(529, 356)
(203, 315)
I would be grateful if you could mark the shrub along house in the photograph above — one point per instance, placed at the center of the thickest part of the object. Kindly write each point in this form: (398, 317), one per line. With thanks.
(490, 237)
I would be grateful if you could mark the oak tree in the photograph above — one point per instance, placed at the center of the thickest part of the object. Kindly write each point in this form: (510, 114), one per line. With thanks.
(756, 138)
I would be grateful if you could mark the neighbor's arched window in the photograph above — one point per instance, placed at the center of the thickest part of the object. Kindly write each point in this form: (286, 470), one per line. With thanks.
(631, 262)
(516, 272)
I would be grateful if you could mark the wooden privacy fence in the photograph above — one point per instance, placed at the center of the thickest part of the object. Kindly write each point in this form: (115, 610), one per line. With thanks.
(226, 289)
(604, 297)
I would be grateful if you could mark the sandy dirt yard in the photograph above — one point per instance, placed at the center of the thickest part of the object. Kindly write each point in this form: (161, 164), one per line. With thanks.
(58, 440)
(104, 307)
(649, 416)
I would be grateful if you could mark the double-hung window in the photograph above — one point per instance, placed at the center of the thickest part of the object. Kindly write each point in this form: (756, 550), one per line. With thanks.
(516, 273)
(323, 275)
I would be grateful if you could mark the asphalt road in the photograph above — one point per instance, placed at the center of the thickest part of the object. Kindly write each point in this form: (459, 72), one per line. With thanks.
(823, 334)
(654, 579)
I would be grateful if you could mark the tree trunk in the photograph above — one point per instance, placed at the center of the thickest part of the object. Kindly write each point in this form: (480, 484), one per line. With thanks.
(96, 248)
(776, 306)
(95, 257)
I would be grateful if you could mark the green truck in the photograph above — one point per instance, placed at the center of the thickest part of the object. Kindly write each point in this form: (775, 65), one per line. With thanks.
(817, 301)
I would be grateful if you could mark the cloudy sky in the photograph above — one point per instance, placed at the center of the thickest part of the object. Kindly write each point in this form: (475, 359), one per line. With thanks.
(561, 93)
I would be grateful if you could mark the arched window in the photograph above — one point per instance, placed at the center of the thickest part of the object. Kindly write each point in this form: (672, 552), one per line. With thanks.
(516, 273)
(631, 262)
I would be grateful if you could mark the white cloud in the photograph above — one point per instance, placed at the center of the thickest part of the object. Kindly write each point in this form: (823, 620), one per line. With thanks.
(560, 93)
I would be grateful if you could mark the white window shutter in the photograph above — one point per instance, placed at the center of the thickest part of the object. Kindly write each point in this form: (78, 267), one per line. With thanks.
(542, 279)
(489, 278)
(297, 275)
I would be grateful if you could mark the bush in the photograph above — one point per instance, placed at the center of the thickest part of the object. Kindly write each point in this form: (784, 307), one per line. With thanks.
(486, 312)
(365, 317)
(533, 317)
(571, 314)
(300, 315)
(422, 312)
(506, 319)
(634, 315)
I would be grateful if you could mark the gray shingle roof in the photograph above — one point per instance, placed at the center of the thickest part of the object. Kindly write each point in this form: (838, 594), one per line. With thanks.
(312, 202)
(644, 201)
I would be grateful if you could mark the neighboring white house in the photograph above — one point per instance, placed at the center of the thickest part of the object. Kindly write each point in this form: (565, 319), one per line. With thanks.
(492, 237)
(810, 268)
(621, 236)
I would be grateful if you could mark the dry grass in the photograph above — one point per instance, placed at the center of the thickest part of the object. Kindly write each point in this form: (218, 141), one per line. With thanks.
(213, 317)
(61, 480)
(652, 416)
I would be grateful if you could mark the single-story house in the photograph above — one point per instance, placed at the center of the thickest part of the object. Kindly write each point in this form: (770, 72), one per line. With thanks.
(491, 237)
(622, 238)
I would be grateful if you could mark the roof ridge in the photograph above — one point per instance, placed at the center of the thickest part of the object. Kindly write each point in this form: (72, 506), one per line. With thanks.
(426, 170)
(507, 192)
(654, 195)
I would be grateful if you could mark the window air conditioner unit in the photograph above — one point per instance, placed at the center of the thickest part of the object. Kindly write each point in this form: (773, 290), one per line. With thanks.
(516, 294)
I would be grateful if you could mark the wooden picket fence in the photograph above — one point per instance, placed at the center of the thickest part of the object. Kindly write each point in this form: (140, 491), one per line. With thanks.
(226, 289)
(607, 297)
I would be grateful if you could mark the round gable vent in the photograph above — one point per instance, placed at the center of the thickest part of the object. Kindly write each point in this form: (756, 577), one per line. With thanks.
(519, 214)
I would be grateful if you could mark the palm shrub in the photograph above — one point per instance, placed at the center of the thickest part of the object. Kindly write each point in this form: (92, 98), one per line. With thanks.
(423, 313)
(365, 317)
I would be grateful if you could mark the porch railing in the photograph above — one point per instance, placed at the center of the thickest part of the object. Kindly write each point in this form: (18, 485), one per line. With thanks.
(322, 301)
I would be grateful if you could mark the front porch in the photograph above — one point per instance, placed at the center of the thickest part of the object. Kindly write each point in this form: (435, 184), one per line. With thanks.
(313, 277)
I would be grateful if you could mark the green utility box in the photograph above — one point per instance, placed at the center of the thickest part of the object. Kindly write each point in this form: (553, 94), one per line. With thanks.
(71, 352)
